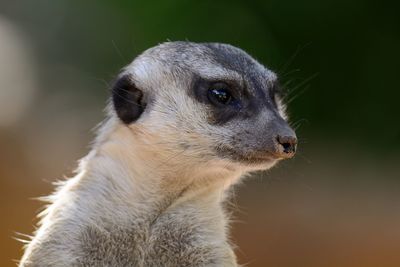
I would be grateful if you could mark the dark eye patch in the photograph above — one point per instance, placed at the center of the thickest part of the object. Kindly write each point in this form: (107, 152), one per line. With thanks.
(221, 95)
(225, 99)
(201, 88)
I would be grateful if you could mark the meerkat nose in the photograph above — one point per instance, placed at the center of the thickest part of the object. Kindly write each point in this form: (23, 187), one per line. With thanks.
(286, 145)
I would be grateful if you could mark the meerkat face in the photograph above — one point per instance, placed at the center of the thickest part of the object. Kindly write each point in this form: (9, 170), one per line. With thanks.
(206, 103)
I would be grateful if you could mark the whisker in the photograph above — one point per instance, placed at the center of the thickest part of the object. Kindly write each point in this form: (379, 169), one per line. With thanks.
(289, 73)
(292, 58)
(290, 100)
(298, 123)
(118, 51)
(304, 158)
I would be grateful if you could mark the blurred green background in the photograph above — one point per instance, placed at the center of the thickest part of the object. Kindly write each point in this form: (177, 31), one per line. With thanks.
(336, 204)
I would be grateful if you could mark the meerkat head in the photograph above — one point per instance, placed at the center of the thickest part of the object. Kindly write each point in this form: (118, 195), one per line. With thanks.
(204, 104)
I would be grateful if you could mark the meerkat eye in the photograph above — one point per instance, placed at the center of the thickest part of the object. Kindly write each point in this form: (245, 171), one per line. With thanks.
(219, 94)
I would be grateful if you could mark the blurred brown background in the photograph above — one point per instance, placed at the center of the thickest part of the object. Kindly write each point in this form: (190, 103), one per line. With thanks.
(336, 204)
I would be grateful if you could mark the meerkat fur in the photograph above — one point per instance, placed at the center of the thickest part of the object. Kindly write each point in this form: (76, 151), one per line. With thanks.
(151, 191)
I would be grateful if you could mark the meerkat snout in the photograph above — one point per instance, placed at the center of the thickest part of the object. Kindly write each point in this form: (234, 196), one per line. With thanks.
(285, 140)
(211, 102)
(287, 145)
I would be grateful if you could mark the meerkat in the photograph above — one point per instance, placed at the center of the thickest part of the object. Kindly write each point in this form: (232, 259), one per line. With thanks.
(185, 122)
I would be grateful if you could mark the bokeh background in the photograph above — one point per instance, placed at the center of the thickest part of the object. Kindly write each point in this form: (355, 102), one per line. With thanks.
(337, 204)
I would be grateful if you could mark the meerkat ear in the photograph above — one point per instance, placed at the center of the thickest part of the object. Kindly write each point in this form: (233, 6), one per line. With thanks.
(127, 99)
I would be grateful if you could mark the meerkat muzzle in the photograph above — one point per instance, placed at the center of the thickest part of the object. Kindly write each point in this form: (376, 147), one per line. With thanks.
(285, 140)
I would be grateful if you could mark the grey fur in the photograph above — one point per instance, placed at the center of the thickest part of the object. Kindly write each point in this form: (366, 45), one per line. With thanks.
(151, 191)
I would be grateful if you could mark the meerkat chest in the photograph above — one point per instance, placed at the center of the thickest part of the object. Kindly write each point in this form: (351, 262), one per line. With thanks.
(170, 240)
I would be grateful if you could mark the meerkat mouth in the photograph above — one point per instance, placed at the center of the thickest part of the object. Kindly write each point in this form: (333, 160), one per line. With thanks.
(236, 156)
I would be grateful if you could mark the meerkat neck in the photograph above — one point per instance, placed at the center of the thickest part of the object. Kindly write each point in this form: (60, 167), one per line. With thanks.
(146, 180)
